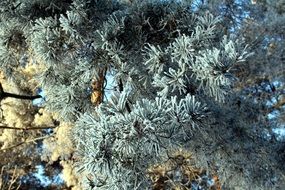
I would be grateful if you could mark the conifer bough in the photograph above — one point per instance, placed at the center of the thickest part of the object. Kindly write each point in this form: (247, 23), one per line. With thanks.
(171, 65)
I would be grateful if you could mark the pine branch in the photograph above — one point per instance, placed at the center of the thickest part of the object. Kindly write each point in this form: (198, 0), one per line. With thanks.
(98, 88)
(121, 88)
(4, 95)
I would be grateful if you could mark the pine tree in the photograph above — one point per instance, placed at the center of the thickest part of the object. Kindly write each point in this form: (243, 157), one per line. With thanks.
(131, 85)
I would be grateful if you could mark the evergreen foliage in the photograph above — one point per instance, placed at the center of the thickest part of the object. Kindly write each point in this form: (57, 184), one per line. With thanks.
(173, 64)
(131, 131)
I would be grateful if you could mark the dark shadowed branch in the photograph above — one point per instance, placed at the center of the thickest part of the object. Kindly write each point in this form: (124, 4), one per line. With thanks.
(4, 95)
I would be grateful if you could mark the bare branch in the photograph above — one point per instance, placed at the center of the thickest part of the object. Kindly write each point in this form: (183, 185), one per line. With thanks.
(26, 141)
(4, 126)
(4, 95)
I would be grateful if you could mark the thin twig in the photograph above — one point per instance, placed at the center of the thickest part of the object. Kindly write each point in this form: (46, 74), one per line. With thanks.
(13, 180)
(4, 183)
(32, 128)
(27, 141)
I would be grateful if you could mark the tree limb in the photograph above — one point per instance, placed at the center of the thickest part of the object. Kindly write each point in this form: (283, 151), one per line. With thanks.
(26, 141)
(4, 95)
(32, 128)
